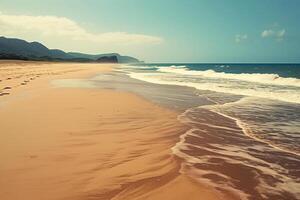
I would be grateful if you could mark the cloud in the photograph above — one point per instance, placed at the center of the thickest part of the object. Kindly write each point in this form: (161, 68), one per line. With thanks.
(281, 33)
(267, 33)
(240, 37)
(63, 28)
(277, 34)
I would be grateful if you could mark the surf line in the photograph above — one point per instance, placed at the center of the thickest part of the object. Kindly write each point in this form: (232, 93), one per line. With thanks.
(248, 132)
(243, 126)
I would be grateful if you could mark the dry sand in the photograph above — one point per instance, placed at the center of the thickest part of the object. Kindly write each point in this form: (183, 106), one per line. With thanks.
(85, 144)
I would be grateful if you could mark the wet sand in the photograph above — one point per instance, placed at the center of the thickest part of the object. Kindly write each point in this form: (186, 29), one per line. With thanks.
(216, 150)
(70, 143)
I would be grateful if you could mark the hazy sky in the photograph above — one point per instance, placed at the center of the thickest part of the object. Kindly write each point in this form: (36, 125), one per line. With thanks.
(161, 30)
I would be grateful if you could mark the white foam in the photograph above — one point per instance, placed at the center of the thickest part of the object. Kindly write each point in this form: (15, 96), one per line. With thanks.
(285, 94)
(229, 153)
(271, 79)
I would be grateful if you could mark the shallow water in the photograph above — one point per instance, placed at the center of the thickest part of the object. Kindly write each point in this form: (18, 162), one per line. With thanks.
(239, 144)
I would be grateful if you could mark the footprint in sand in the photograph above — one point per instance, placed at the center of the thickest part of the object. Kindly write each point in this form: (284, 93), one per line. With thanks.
(8, 78)
(4, 93)
(6, 88)
(25, 82)
(32, 156)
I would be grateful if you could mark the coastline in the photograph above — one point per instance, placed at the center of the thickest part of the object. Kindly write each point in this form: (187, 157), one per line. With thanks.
(71, 143)
(218, 149)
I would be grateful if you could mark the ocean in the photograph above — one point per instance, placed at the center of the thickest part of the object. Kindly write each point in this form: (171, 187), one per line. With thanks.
(244, 120)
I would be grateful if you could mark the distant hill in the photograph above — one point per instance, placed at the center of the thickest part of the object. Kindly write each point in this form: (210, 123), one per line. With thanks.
(29, 49)
(12, 48)
(121, 59)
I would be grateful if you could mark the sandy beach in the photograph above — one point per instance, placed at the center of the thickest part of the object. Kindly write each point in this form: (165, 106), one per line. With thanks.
(78, 144)
(108, 100)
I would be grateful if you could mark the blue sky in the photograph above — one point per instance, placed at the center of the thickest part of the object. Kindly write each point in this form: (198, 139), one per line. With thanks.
(161, 30)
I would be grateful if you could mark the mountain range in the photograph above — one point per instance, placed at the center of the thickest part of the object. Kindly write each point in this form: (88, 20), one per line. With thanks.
(13, 48)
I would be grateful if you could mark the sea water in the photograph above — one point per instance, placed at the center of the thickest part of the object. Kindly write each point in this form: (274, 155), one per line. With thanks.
(244, 135)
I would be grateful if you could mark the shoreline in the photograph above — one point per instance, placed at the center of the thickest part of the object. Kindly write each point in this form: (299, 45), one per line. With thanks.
(216, 151)
(74, 157)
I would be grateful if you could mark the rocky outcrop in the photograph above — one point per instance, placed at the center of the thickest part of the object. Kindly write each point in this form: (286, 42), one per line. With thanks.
(108, 59)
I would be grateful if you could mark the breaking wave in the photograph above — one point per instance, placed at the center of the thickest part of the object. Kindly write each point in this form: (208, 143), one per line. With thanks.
(272, 79)
(280, 89)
